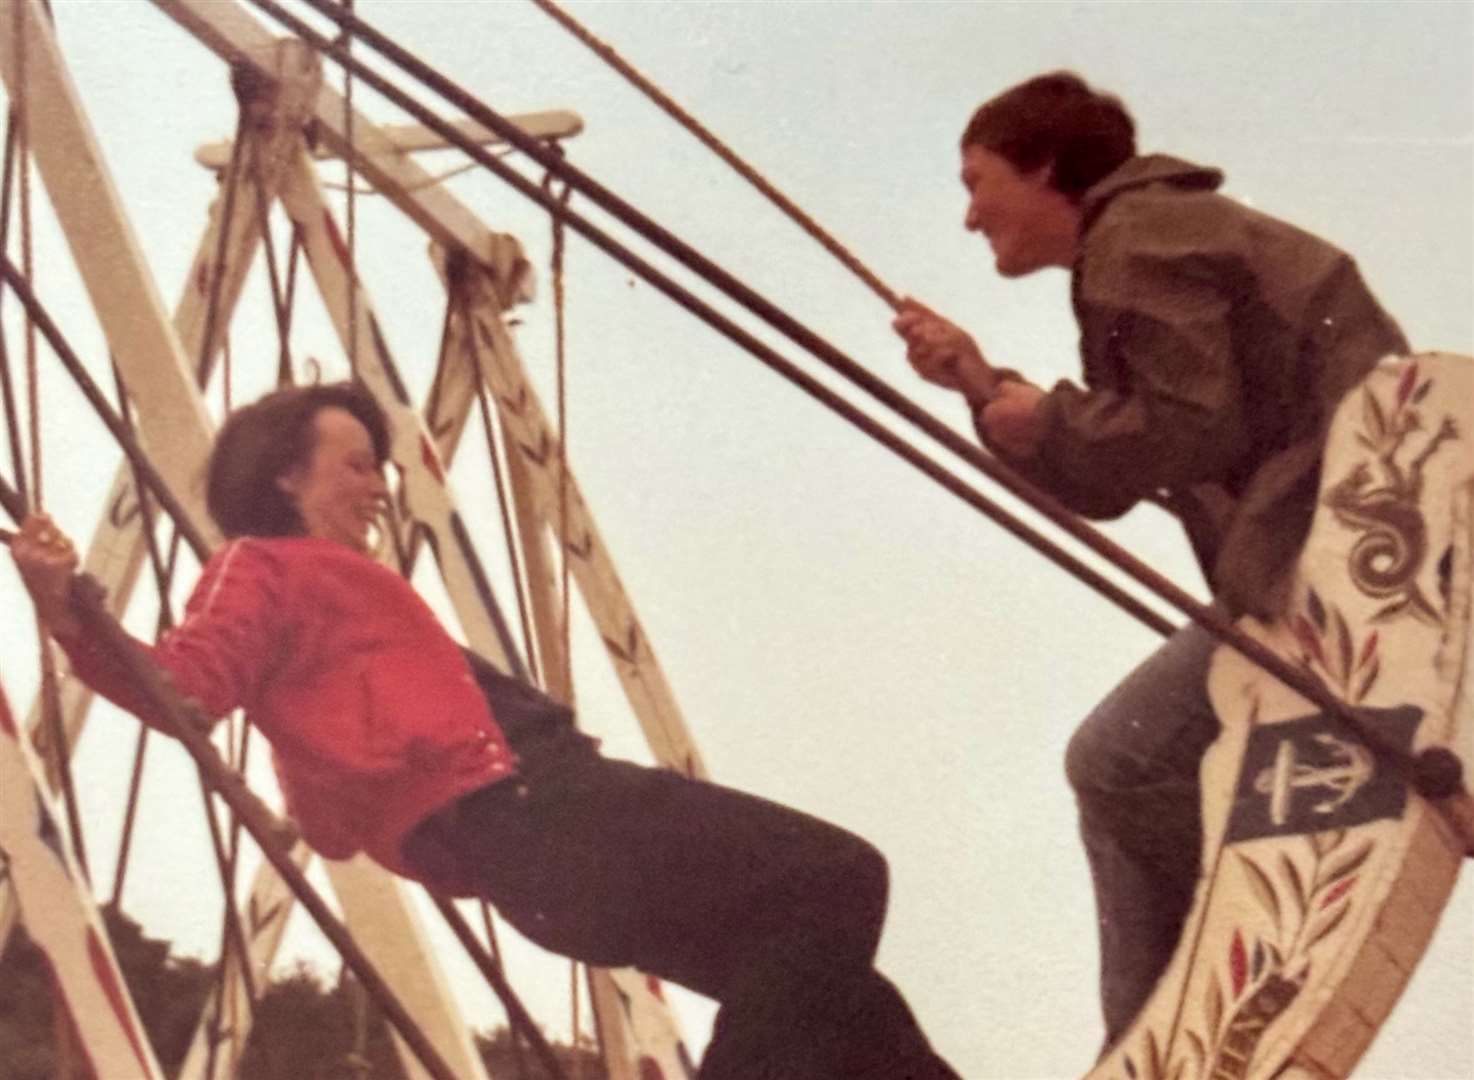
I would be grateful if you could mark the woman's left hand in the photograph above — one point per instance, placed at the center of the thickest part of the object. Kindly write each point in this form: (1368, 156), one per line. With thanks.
(47, 562)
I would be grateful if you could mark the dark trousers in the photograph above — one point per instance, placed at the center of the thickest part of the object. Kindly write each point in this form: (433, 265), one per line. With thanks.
(773, 913)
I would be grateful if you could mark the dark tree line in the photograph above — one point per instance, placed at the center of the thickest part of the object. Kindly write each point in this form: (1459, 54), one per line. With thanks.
(304, 1028)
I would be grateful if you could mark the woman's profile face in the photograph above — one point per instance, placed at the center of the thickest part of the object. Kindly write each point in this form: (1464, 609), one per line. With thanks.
(339, 491)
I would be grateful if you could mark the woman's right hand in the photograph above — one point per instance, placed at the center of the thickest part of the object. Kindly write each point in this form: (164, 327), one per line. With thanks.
(942, 352)
(47, 562)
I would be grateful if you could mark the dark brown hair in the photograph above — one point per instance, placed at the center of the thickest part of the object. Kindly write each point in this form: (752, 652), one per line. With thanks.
(269, 437)
(1056, 120)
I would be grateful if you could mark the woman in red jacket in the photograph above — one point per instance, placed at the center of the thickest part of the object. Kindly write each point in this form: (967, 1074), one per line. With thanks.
(391, 740)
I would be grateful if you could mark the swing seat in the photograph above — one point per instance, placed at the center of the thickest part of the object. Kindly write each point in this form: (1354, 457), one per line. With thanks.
(1323, 874)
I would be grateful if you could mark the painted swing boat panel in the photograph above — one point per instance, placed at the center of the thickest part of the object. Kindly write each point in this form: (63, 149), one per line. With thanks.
(1323, 876)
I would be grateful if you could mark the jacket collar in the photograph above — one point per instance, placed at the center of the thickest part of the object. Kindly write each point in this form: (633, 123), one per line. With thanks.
(1144, 171)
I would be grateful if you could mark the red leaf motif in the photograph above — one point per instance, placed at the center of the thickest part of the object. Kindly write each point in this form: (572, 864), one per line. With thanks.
(335, 238)
(1405, 385)
(431, 460)
(1306, 633)
(1238, 963)
(1367, 650)
(1341, 889)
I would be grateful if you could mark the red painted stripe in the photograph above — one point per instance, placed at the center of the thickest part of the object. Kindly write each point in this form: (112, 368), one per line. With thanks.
(107, 978)
(335, 238)
(431, 459)
(7, 725)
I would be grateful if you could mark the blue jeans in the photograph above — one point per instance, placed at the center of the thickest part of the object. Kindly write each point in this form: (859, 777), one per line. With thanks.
(1133, 765)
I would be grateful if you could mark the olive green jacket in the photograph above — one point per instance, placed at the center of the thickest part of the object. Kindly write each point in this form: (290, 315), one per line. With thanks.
(1216, 341)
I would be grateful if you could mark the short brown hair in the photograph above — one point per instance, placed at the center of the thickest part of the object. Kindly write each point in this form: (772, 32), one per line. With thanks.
(1056, 120)
(269, 437)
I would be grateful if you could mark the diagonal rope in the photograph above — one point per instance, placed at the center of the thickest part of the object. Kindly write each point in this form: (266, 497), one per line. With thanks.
(242, 80)
(565, 629)
(560, 349)
(282, 295)
(7, 387)
(166, 619)
(519, 1055)
(23, 139)
(535, 661)
(672, 109)
(350, 185)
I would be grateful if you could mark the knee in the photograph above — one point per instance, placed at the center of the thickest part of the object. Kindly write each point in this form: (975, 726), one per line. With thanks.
(1085, 759)
(847, 890)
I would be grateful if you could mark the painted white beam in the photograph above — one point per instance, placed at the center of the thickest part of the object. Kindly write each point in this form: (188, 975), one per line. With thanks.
(416, 138)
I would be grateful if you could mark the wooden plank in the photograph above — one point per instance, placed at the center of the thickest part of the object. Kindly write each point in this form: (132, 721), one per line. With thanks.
(415, 138)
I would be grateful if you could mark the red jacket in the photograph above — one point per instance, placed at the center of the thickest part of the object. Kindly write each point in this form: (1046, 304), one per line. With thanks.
(373, 715)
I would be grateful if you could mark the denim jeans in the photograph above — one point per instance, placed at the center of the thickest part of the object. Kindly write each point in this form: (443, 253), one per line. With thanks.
(773, 913)
(1133, 765)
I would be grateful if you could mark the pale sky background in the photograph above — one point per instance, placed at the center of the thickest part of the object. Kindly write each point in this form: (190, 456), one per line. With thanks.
(844, 636)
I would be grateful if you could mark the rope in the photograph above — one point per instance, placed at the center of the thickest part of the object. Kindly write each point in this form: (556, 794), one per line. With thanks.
(33, 383)
(846, 257)
(242, 83)
(517, 1013)
(535, 661)
(166, 619)
(519, 1055)
(13, 505)
(280, 301)
(294, 250)
(565, 630)
(7, 388)
(575, 1022)
(560, 350)
(350, 186)
(130, 815)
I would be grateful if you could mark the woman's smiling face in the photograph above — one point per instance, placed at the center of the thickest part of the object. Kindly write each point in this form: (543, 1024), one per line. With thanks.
(339, 491)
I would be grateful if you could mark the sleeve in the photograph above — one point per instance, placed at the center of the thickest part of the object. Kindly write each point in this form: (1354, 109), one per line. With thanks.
(1164, 404)
(221, 651)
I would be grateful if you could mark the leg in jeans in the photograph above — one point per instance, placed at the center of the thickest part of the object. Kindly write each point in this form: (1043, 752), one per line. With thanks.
(773, 913)
(1133, 765)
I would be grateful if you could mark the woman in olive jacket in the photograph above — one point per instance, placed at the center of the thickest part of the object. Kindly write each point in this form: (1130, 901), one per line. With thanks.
(1215, 342)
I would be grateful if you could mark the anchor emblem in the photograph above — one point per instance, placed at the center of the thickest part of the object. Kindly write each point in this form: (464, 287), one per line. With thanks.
(1349, 769)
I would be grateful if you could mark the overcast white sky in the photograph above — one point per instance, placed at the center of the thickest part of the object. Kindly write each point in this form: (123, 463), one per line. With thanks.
(844, 637)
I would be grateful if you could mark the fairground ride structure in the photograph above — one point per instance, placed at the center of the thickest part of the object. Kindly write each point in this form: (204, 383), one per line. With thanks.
(1305, 928)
